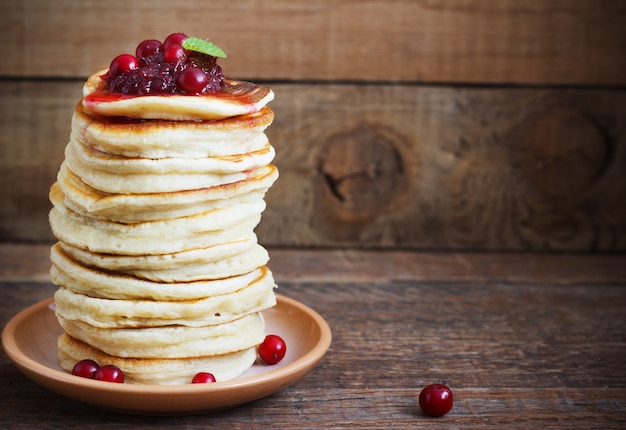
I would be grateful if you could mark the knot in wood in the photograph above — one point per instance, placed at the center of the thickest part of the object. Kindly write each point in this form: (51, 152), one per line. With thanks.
(362, 169)
(565, 154)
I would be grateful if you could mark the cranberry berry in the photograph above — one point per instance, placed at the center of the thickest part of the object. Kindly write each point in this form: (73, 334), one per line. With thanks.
(175, 54)
(193, 80)
(109, 373)
(174, 39)
(147, 48)
(203, 378)
(273, 349)
(123, 63)
(436, 400)
(85, 369)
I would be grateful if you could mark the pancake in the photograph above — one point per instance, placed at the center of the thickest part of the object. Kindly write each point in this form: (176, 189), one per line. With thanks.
(235, 98)
(91, 159)
(81, 279)
(159, 371)
(219, 261)
(153, 237)
(245, 262)
(164, 139)
(165, 261)
(170, 341)
(216, 262)
(212, 310)
(121, 175)
(131, 208)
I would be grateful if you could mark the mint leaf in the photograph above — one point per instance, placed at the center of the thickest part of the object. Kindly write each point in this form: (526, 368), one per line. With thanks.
(204, 46)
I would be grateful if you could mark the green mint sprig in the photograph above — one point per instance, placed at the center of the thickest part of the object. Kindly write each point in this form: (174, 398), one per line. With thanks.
(204, 46)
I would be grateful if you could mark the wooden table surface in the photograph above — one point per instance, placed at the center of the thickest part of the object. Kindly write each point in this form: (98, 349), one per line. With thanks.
(524, 341)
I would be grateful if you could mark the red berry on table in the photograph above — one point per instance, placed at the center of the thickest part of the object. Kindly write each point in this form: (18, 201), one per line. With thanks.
(203, 378)
(147, 48)
(109, 373)
(436, 400)
(174, 39)
(273, 349)
(85, 369)
(123, 63)
(193, 80)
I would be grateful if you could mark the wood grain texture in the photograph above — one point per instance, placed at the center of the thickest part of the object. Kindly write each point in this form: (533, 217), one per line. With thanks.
(542, 351)
(449, 168)
(555, 42)
(403, 166)
(35, 123)
(371, 154)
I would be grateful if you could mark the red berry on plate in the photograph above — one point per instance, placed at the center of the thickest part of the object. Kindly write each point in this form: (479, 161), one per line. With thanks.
(203, 378)
(148, 48)
(273, 349)
(123, 63)
(193, 80)
(436, 400)
(85, 369)
(109, 373)
(174, 39)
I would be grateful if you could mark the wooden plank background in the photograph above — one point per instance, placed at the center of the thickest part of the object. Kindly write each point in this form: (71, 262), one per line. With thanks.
(467, 125)
(535, 41)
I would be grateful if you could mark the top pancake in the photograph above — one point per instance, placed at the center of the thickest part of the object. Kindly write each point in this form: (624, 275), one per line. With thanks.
(235, 98)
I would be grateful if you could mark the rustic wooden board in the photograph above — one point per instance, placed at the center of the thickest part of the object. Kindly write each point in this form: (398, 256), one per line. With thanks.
(385, 166)
(430, 167)
(35, 124)
(508, 41)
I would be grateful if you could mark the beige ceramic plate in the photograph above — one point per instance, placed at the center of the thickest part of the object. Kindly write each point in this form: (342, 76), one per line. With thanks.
(29, 339)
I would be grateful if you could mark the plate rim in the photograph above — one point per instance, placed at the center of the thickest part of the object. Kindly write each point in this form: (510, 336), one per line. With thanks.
(297, 368)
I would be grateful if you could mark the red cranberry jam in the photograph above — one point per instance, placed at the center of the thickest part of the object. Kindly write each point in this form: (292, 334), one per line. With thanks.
(164, 68)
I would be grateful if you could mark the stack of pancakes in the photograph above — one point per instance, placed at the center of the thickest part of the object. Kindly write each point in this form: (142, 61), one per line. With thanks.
(155, 205)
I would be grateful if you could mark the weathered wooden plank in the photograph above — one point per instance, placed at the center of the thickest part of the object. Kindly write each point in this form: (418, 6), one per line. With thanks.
(388, 166)
(425, 167)
(35, 124)
(535, 41)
